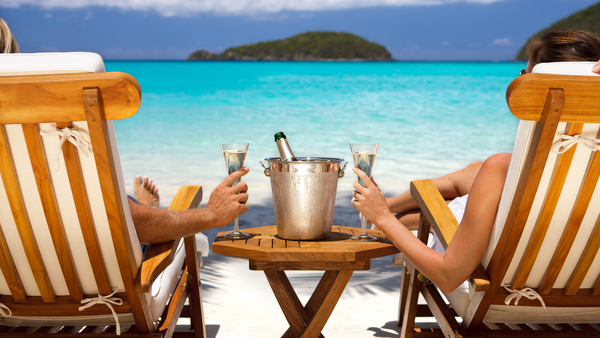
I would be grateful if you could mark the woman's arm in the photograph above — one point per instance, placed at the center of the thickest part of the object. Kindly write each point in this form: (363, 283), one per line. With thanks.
(451, 186)
(469, 243)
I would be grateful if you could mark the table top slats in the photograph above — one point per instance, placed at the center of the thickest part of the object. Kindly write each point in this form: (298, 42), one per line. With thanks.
(266, 246)
(292, 244)
(279, 243)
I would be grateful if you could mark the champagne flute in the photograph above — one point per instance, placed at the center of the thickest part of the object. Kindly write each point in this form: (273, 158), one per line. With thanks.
(364, 158)
(234, 154)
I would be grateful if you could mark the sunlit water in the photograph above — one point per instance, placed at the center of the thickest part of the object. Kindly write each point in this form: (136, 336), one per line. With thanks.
(429, 118)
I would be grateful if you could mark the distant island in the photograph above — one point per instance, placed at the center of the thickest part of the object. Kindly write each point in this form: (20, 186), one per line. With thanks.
(309, 46)
(587, 19)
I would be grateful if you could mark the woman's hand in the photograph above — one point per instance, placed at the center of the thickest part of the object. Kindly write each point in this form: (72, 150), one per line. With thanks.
(369, 200)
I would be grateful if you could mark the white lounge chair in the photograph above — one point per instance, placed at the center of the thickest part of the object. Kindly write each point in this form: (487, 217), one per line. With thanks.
(545, 240)
(70, 259)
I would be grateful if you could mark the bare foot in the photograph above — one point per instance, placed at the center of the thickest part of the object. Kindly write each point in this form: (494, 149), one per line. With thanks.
(145, 191)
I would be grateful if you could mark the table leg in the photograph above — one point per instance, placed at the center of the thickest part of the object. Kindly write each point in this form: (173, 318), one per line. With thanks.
(327, 304)
(308, 321)
(287, 302)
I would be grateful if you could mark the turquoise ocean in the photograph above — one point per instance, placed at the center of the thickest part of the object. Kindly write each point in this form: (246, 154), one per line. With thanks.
(429, 119)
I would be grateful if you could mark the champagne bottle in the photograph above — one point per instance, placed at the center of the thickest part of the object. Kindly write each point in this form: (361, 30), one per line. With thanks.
(285, 152)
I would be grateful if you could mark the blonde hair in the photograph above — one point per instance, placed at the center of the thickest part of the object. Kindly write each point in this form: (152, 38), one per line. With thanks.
(8, 43)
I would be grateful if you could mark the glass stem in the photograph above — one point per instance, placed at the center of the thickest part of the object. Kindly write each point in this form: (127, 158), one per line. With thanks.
(236, 224)
(363, 225)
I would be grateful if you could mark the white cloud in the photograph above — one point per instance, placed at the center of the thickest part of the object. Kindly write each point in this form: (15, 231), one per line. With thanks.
(502, 42)
(232, 7)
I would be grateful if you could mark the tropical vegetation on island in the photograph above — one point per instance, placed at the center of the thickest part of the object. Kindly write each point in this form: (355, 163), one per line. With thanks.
(309, 46)
(587, 19)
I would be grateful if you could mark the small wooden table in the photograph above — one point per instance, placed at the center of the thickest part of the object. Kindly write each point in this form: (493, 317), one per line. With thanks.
(337, 255)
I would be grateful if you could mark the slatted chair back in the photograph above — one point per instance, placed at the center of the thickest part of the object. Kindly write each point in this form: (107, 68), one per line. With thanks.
(65, 229)
(547, 231)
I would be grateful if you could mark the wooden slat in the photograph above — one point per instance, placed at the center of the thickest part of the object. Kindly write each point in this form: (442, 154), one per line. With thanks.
(439, 309)
(187, 197)
(39, 165)
(82, 205)
(568, 237)
(563, 163)
(435, 210)
(15, 199)
(63, 306)
(175, 306)
(408, 311)
(9, 271)
(157, 258)
(298, 265)
(94, 112)
(555, 298)
(348, 231)
(596, 288)
(195, 298)
(523, 199)
(526, 94)
(6, 262)
(278, 243)
(60, 95)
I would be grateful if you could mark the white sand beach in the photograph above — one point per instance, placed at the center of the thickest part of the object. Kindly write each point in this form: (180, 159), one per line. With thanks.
(239, 302)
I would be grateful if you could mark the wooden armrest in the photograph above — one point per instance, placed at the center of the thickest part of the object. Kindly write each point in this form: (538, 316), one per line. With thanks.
(479, 279)
(188, 197)
(436, 211)
(160, 255)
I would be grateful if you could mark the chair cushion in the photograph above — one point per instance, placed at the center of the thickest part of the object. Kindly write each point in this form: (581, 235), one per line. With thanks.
(50, 63)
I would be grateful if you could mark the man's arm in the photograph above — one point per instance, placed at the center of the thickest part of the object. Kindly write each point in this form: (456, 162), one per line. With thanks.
(154, 225)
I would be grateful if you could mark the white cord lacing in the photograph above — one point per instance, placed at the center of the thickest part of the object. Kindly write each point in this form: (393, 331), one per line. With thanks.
(68, 134)
(516, 294)
(569, 141)
(4, 314)
(106, 300)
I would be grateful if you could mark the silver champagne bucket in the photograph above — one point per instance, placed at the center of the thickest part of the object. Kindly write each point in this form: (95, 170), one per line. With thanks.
(304, 195)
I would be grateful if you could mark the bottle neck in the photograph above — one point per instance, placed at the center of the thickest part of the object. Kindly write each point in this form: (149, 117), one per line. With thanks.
(285, 152)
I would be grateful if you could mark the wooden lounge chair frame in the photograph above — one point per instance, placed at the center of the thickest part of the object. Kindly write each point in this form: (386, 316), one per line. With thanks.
(548, 99)
(95, 98)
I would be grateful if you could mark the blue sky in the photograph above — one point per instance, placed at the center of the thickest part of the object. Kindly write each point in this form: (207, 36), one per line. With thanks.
(173, 29)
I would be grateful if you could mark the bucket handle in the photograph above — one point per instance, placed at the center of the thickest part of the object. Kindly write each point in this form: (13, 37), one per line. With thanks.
(341, 171)
(266, 169)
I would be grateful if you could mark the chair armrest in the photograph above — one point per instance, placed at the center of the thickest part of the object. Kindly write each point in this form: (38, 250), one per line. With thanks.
(435, 209)
(160, 255)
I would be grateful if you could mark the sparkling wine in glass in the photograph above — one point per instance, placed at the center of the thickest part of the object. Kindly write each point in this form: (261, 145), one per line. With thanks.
(234, 154)
(364, 158)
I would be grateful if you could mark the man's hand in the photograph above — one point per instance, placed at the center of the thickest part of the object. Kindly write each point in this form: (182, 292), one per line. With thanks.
(227, 202)
(596, 68)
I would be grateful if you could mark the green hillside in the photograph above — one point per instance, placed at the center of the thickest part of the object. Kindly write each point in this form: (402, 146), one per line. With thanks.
(587, 19)
(303, 47)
